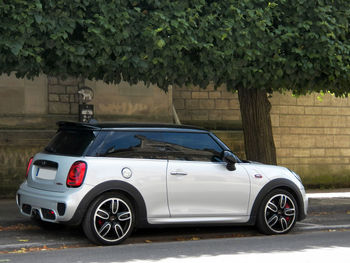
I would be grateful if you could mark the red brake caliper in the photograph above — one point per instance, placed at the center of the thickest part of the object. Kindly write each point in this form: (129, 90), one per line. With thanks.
(287, 217)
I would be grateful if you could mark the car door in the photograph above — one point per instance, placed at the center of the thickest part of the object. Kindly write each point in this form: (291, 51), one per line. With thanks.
(199, 184)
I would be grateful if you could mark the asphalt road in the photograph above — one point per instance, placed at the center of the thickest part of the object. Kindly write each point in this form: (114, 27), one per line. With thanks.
(19, 236)
(322, 246)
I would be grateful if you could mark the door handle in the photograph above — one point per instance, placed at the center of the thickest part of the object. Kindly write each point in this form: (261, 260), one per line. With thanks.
(178, 173)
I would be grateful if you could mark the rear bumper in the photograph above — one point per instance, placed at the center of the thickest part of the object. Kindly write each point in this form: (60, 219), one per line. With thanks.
(50, 206)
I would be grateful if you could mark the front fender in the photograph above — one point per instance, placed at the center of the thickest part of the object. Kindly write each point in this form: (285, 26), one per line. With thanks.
(274, 184)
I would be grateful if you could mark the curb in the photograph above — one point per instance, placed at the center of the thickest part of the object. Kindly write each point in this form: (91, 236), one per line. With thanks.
(328, 195)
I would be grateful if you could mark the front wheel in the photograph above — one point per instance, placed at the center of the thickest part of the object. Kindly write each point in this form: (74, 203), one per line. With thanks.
(109, 220)
(278, 213)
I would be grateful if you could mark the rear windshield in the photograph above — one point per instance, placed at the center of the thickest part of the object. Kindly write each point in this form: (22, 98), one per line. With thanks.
(70, 142)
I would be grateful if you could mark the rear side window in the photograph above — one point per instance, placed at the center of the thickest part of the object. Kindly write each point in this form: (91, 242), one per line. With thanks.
(70, 142)
(130, 144)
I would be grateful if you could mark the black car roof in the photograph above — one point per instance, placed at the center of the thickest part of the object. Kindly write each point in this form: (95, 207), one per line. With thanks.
(124, 126)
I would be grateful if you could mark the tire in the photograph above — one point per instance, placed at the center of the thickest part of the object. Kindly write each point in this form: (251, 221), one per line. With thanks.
(109, 220)
(278, 213)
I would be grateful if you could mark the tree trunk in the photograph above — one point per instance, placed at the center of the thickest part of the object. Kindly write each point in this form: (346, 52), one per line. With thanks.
(256, 121)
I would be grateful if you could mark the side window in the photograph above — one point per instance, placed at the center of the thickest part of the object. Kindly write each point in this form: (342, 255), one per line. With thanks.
(192, 147)
(131, 144)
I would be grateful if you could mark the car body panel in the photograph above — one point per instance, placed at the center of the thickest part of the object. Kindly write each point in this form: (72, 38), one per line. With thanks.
(207, 189)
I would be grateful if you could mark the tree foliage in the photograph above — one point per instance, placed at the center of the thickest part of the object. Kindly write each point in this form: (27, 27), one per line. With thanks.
(298, 45)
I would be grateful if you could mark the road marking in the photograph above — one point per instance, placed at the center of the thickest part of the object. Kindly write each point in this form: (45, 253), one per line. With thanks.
(328, 195)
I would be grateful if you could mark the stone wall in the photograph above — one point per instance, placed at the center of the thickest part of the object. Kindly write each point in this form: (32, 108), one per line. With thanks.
(214, 109)
(312, 136)
(124, 102)
(17, 146)
(63, 95)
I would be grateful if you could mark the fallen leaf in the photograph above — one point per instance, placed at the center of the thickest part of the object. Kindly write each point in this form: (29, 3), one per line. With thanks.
(148, 241)
(23, 240)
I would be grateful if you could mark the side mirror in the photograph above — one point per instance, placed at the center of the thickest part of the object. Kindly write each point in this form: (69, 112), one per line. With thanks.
(230, 160)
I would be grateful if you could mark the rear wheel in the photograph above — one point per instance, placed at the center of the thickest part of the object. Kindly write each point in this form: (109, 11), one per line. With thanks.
(109, 220)
(278, 213)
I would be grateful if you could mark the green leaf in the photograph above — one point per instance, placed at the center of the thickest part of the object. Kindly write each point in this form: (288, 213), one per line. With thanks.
(161, 43)
(38, 18)
(16, 47)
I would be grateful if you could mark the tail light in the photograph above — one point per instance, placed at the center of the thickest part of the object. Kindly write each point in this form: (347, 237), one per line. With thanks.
(76, 174)
(28, 166)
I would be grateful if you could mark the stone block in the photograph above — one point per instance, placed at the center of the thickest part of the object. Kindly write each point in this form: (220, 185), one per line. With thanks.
(330, 111)
(332, 152)
(283, 152)
(317, 152)
(64, 98)
(52, 80)
(295, 152)
(231, 115)
(344, 111)
(306, 100)
(288, 141)
(72, 89)
(59, 108)
(234, 104)
(281, 130)
(185, 95)
(307, 141)
(200, 95)
(345, 152)
(206, 104)
(57, 89)
(221, 104)
(277, 140)
(341, 141)
(215, 115)
(74, 108)
(214, 95)
(199, 115)
(309, 110)
(179, 104)
(54, 97)
(275, 120)
(184, 115)
(192, 104)
(325, 141)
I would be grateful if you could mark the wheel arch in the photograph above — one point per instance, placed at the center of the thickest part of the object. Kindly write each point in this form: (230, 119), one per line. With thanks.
(122, 187)
(281, 183)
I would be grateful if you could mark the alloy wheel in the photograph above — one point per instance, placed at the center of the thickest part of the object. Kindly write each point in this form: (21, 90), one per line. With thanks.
(280, 213)
(112, 219)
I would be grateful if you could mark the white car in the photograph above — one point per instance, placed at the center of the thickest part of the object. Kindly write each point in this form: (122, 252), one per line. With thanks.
(113, 177)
